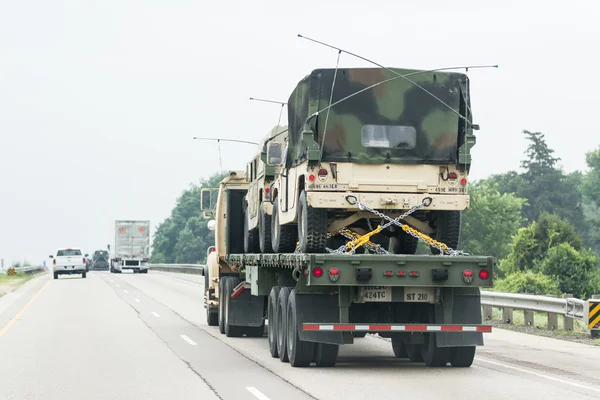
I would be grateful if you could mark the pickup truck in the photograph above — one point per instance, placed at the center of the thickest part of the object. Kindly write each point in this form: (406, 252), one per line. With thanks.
(69, 261)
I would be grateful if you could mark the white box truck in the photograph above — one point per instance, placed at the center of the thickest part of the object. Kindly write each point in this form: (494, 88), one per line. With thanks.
(132, 247)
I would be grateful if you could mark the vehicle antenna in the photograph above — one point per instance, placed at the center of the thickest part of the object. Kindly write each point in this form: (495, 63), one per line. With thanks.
(278, 121)
(219, 146)
(398, 74)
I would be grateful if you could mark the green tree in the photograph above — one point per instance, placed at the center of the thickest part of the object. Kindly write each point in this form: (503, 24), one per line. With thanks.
(491, 221)
(183, 237)
(528, 282)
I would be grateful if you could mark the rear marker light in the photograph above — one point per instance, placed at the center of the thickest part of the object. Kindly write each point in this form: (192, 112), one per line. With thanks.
(388, 273)
(318, 272)
(483, 274)
(334, 274)
(463, 181)
(311, 177)
(452, 175)
(414, 273)
(267, 190)
(468, 276)
(401, 273)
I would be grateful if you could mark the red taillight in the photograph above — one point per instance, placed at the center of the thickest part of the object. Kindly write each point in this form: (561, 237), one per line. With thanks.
(414, 273)
(483, 274)
(452, 175)
(84, 260)
(463, 181)
(214, 249)
(54, 262)
(388, 273)
(267, 190)
(468, 273)
(401, 273)
(322, 172)
(334, 274)
(318, 272)
(311, 177)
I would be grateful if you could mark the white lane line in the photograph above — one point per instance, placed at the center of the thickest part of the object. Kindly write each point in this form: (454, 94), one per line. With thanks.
(540, 375)
(138, 300)
(187, 339)
(155, 314)
(257, 393)
(125, 291)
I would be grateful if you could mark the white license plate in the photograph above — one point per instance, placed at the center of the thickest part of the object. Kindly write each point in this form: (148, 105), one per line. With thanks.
(376, 293)
(419, 295)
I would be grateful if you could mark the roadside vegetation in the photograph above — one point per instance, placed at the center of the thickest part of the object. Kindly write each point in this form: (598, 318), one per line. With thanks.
(540, 222)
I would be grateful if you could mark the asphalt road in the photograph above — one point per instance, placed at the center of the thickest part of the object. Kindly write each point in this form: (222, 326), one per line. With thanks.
(126, 336)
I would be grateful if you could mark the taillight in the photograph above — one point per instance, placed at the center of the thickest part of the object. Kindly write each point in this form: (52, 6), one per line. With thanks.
(322, 173)
(452, 175)
(401, 273)
(84, 260)
(318, 272)
(334, 274)
(267, 190)
(388, 273)
(54, 262)
(484, 274)
(311, 177)
(414, 273)
(468, 276)
(463, 181)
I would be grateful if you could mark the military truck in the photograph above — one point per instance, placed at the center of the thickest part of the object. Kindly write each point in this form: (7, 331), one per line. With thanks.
(100, 260)
(257, 203)
(374, 141)
(428, 305)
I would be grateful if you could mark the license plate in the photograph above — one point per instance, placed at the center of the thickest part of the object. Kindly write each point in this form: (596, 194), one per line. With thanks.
(376, 293)
(418, 295)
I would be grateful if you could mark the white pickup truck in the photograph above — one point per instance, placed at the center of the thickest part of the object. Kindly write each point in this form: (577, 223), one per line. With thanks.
(69, 261)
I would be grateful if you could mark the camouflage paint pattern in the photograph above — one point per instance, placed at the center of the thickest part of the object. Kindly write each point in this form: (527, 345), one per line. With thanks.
(439, 130)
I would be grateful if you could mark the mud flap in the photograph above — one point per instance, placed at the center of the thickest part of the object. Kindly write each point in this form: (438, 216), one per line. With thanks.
(246, 310)
(466, 309)
(318, 308)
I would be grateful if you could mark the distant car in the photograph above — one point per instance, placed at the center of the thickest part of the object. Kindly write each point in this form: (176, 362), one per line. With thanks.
(100, 260)
(69, 261)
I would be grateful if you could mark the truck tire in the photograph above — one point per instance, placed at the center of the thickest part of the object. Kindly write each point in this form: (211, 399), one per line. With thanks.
(250, 236)
(433, 355)
(281, 324)
(83, 275)
(300, 353)
(403, 243)
(462, 357)
(222, 303)
(283, 237)
(312, 227)
(399, 348)
(414, 353)
(271, 313)
(231, 330)
(447, 229)
(264, 230)
(55, 275)
(212, 317)
(326, 354)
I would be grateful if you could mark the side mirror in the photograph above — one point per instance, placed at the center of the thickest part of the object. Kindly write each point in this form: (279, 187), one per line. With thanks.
(274, 154)
(86, 255)
(51, 256)
(205, 199)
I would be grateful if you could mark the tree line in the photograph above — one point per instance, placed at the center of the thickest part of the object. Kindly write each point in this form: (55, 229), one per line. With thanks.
(540, 222)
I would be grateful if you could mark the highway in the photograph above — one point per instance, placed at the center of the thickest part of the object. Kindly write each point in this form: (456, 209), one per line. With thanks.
(144, 336)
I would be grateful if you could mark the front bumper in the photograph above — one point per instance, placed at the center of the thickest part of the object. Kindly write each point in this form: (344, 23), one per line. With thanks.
(387, 201)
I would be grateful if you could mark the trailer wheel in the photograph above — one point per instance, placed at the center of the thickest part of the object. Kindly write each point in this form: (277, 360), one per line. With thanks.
(264, 230)
(300, 353)
(414, 353)
(447, 229)
(230, 330)
(433, 355)
(399, 348)
(222, 303)
(281, 324)
(462, 357)
(271, 317)
(250, 235)
(212, 316)
(312, 227)
(283, 237)
(326, 354)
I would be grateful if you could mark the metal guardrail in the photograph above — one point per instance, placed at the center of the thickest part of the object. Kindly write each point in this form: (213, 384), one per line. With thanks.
(568, 306)
(30, 270)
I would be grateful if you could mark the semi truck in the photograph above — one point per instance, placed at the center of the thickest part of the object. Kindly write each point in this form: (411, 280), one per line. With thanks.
(132, 247)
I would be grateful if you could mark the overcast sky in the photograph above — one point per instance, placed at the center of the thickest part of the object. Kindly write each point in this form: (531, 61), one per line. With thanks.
(99, 100)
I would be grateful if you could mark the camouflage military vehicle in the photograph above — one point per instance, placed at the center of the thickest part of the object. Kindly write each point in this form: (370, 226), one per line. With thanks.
(386, 145)
(257, 206)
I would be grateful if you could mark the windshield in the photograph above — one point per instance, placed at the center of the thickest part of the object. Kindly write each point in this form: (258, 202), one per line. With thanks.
(101, 253)
(68, 252)
(389, 137)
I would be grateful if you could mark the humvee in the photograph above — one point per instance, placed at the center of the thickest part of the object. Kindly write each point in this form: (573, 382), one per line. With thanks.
(378, 144)
(257, 206)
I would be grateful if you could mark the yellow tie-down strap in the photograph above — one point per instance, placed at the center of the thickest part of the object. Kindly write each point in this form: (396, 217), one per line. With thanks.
(594, 314)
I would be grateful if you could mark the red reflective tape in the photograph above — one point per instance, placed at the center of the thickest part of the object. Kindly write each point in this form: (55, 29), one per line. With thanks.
(311, 327)
(484, 329)
(452, 328)
(380, 327)
(416, 327)
(237, 292)
(344, 327)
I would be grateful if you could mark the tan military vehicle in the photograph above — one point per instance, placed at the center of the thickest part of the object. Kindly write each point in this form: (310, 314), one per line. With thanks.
(379, 147)
(257, 205)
